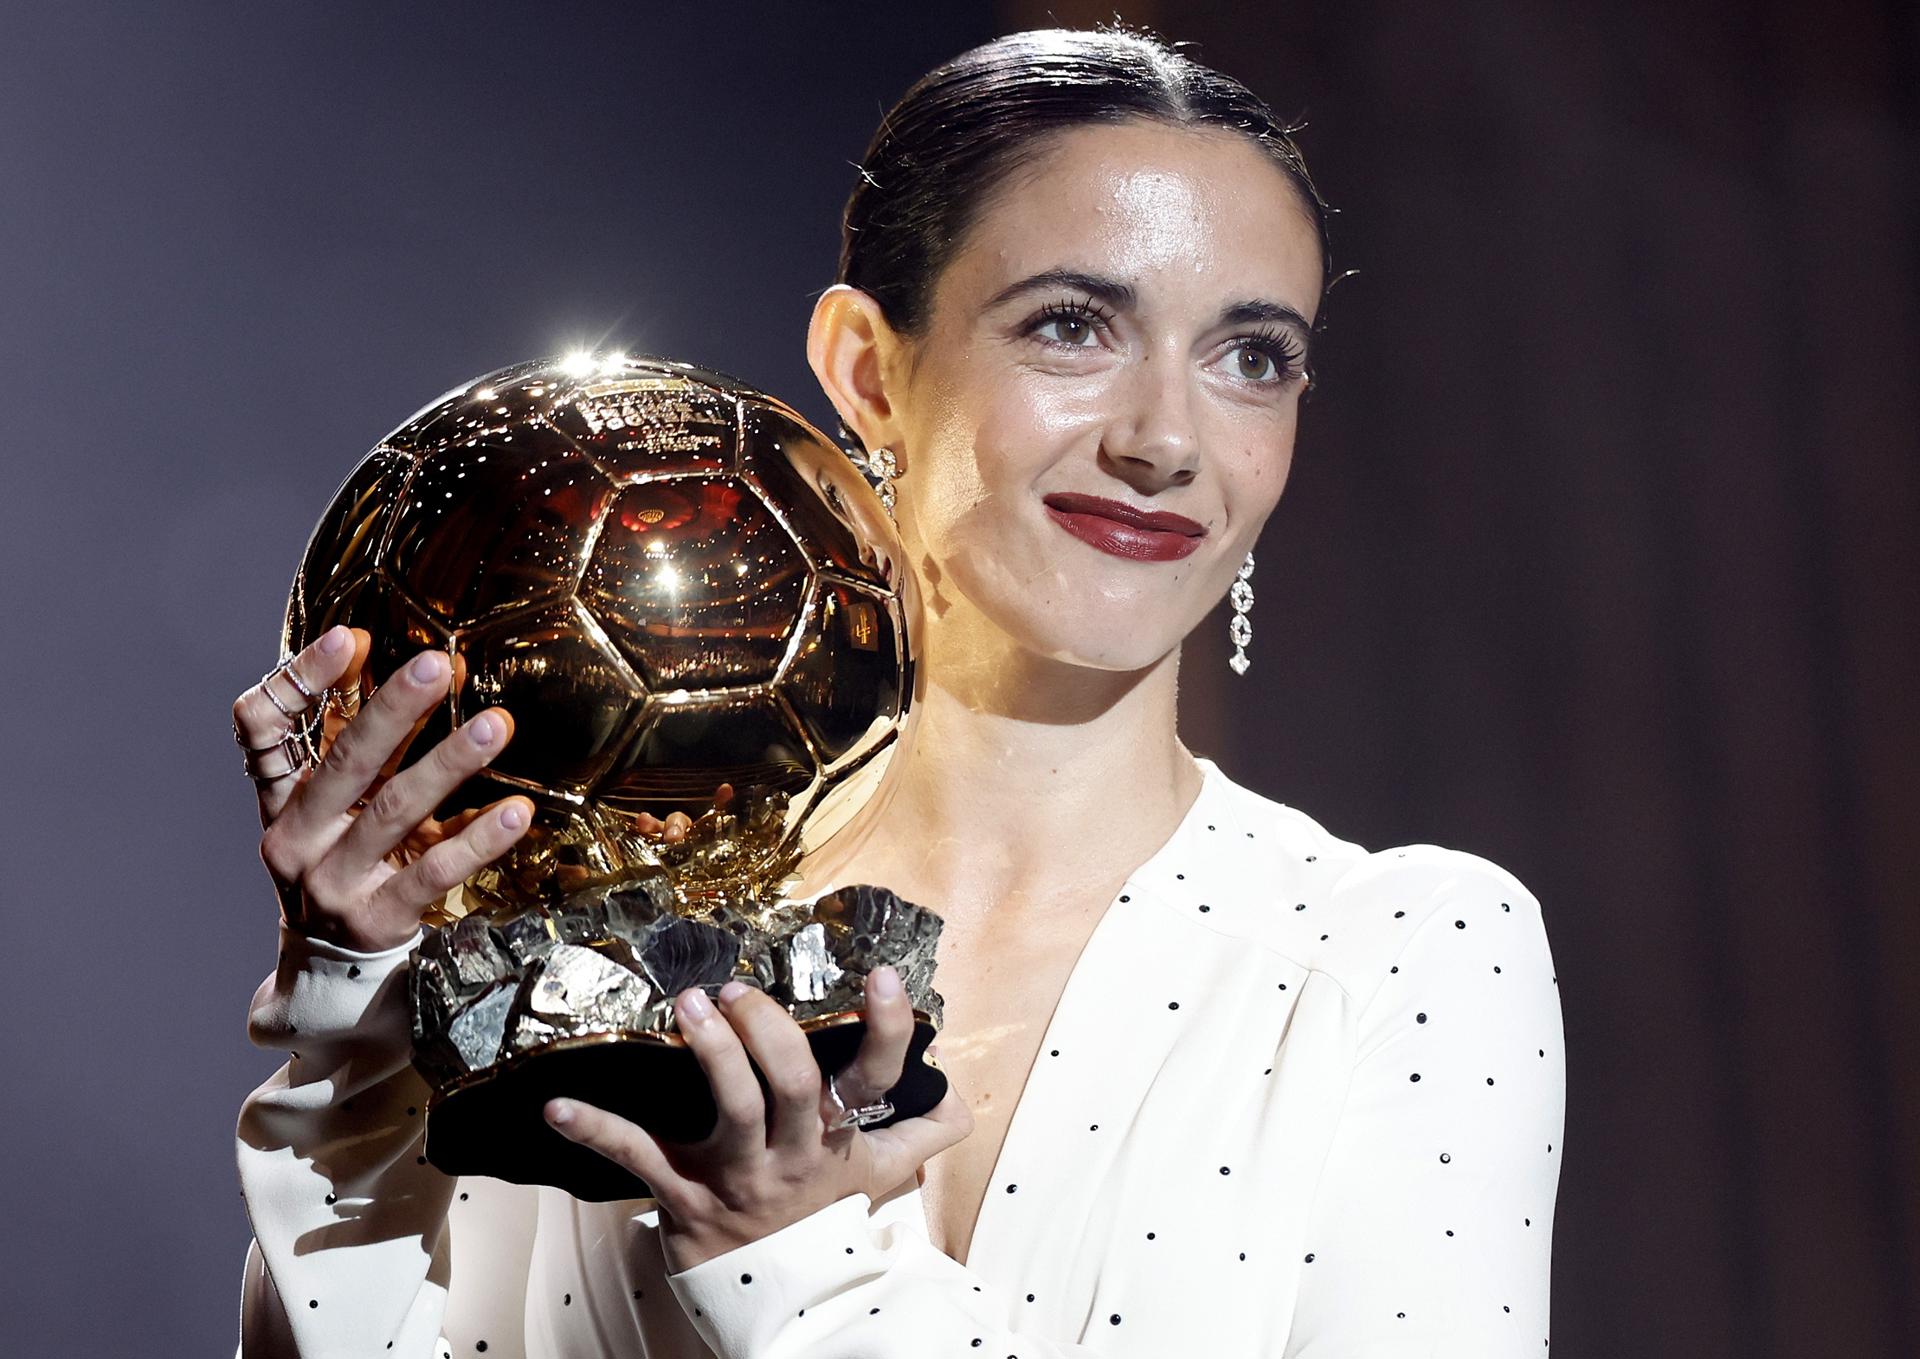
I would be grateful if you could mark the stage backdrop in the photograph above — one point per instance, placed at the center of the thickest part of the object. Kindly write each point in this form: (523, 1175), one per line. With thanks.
(1598, 558)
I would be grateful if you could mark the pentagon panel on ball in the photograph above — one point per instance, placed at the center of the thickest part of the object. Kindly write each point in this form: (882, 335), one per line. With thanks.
(523, 504)
(697, 582)
(572, 696)
(690, 601)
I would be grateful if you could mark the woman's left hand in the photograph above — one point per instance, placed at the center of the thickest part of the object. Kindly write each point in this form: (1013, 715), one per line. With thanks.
(762, 1169)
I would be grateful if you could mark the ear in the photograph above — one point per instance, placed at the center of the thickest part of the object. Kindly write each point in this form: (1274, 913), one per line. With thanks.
(851, 349)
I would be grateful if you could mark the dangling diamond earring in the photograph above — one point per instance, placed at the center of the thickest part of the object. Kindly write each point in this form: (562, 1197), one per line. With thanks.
(883, 468)
(1240, 630)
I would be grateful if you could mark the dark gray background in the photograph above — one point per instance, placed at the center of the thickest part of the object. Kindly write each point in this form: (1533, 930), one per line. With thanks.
(1598, 558)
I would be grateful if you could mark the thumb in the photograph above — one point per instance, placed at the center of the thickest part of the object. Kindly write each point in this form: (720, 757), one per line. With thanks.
(898, 1150)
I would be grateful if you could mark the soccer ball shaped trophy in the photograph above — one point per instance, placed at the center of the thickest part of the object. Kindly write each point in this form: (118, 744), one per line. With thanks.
(689, 600)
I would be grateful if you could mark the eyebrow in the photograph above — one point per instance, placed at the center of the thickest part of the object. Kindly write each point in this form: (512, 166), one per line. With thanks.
(1123, 297)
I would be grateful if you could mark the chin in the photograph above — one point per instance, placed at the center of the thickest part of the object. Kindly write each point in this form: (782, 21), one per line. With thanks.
(1114, 660)
(1074, 611)
(1113, 638)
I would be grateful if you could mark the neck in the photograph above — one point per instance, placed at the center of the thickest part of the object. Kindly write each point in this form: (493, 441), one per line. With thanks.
(1029, 785)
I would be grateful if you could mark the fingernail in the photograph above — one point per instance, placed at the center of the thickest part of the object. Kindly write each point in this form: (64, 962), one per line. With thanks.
(425, 666)
(697, 1005)
(886, 982)
(483, 729)
(334, 641)
(733, 990)
(513, 816)
(559, 1112)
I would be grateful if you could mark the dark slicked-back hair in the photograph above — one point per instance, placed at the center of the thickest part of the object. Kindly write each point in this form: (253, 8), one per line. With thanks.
(969, 123)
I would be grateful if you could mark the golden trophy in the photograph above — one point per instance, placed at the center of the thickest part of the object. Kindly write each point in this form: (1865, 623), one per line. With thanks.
(690, 600)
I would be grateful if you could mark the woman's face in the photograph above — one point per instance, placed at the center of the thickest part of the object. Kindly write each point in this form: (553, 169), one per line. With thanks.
(1087, 460)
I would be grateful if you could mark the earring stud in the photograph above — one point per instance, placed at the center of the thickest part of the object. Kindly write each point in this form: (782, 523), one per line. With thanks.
(883, 467)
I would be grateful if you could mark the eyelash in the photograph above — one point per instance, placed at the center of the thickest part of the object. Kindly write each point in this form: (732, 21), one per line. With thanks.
(1284, 352)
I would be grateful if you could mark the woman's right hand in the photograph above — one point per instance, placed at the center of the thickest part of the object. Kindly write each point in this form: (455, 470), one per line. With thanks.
(352, 845)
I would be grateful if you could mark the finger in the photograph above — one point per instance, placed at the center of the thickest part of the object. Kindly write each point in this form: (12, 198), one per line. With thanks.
(898, 1150)
(399, 756)
(882, 1058)
(351, 690)
(399, 902)
(626, 1144)
(366, 742)
(277, 771)
(409, 797)
(258, 724)
(742, 1127)
(273, 704)
(722, 797)
(785, 1057)
(678, 824)
(459, 821)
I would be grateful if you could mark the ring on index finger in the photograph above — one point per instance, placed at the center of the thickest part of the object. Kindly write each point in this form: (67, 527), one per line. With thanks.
(293, 753)
(307, 696)
(844, 1117)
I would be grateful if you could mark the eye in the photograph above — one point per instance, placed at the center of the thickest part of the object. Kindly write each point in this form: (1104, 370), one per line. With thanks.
(1074, 320)
(1283, 356)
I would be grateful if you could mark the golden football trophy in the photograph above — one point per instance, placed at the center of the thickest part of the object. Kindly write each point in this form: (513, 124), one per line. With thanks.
(690, 600)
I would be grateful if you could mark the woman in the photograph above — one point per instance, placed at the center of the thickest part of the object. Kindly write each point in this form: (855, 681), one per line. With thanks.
(1275, 1094)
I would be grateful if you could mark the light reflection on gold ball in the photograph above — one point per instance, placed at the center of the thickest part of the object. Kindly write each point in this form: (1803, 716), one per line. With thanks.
(671, 581)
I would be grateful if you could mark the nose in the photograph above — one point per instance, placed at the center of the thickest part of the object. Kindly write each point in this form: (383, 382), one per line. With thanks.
(1151, 443)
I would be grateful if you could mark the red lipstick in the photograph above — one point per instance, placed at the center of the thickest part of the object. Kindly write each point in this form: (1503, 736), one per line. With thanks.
(1120, 529)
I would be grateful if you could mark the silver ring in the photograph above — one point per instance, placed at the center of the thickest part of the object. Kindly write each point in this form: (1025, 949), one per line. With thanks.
(344, 700)
(292, 751)
(266, 687)
(293, 677)
(854, 1118)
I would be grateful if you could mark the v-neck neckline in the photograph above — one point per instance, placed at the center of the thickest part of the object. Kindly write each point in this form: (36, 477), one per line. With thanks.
(1125, 900)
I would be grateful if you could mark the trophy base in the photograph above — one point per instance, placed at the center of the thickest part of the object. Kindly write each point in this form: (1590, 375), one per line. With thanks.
(493, 1124)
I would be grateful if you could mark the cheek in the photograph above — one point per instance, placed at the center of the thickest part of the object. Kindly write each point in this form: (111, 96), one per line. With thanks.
(1255, 472)
(998, 433)
(1024, 419)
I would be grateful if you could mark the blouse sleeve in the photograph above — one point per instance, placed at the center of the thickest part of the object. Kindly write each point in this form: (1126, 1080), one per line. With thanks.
(833, 1286)
(1432, 1225)
(349, 1221)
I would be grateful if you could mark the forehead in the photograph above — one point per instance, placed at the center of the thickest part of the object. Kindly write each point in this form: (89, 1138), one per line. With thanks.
(1198, 210)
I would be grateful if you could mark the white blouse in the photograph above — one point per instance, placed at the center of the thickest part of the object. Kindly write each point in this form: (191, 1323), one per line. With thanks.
(1297, 1099)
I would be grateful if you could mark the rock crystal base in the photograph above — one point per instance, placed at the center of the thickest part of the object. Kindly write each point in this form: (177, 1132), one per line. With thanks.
(515, 1005)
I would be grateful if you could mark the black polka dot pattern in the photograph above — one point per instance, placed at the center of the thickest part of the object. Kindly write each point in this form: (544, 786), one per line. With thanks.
(1437, 969)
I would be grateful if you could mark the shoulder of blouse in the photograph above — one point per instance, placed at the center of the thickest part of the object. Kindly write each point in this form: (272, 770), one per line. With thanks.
(1339, 908)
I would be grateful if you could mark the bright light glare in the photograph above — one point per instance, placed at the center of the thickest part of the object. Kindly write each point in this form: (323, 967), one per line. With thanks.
(578, 364)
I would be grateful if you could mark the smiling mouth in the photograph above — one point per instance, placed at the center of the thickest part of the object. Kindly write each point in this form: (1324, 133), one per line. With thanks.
(1123, 531)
